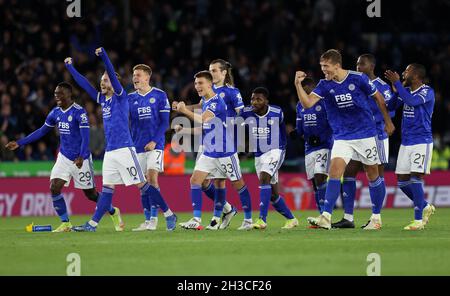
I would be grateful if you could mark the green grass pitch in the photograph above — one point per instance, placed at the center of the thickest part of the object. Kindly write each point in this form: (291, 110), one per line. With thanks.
(272, 251)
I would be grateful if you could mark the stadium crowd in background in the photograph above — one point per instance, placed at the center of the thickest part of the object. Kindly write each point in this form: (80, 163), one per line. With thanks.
(265, 41)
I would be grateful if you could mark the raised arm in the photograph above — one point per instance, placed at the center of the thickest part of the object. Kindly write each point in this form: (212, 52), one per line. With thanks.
(306, 100)
(408, 98)
(80, 79)
(118, 89)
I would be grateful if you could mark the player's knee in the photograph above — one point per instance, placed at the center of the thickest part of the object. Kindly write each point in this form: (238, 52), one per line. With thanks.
(55, 188)
(319, 179)
(337, 168)
(371, 171)
(205, 183)
(417, 176)
(195, 181)
(237, 185)
(264, 178)
(273, 197)
(91, 194)
(220, 183)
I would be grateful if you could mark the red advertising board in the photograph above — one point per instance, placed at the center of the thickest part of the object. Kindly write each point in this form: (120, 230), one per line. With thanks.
(31, 196)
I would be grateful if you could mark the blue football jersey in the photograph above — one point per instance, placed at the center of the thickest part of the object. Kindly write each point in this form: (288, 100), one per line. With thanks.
(385, 90)
(69, 122)
(264, 129)
(416, 121)
(347, 105)
(387, 93)
(313, 122)
(214, 134)
(145, 116)
(232, 98)
(115, 111)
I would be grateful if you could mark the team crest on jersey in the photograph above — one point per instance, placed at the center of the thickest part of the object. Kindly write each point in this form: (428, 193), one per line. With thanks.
(318, 108)
(152, 100)
(57, 118)
(213, 106)
(222, 95)
(69, 118)
(351, 86)
(270, 122)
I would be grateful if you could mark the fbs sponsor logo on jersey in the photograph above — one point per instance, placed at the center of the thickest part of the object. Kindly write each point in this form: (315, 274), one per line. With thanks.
(309, 117)
(260, 130)
(144, 112)
(344, 100)
(64, 128)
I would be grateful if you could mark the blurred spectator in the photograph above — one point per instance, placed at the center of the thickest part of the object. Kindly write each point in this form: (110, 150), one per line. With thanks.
(6, 154)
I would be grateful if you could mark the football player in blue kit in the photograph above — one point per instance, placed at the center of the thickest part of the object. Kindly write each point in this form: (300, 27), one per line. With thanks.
(120, 163)
(312, 125)
(366, 64)
(216, 158)
(223, 85)
(74, 159)
(149, 120)
(267, 133)
(346, 95)
(414, 156)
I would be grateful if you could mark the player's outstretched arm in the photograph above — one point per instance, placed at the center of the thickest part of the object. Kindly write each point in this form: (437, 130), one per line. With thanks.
(199, 118)
(306, 100)
(34, 136)
(189, 107)
(409, 99)
(80, 79)
(118, 89)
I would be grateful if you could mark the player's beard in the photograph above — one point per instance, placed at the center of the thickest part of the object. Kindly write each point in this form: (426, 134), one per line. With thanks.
(406, 82)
